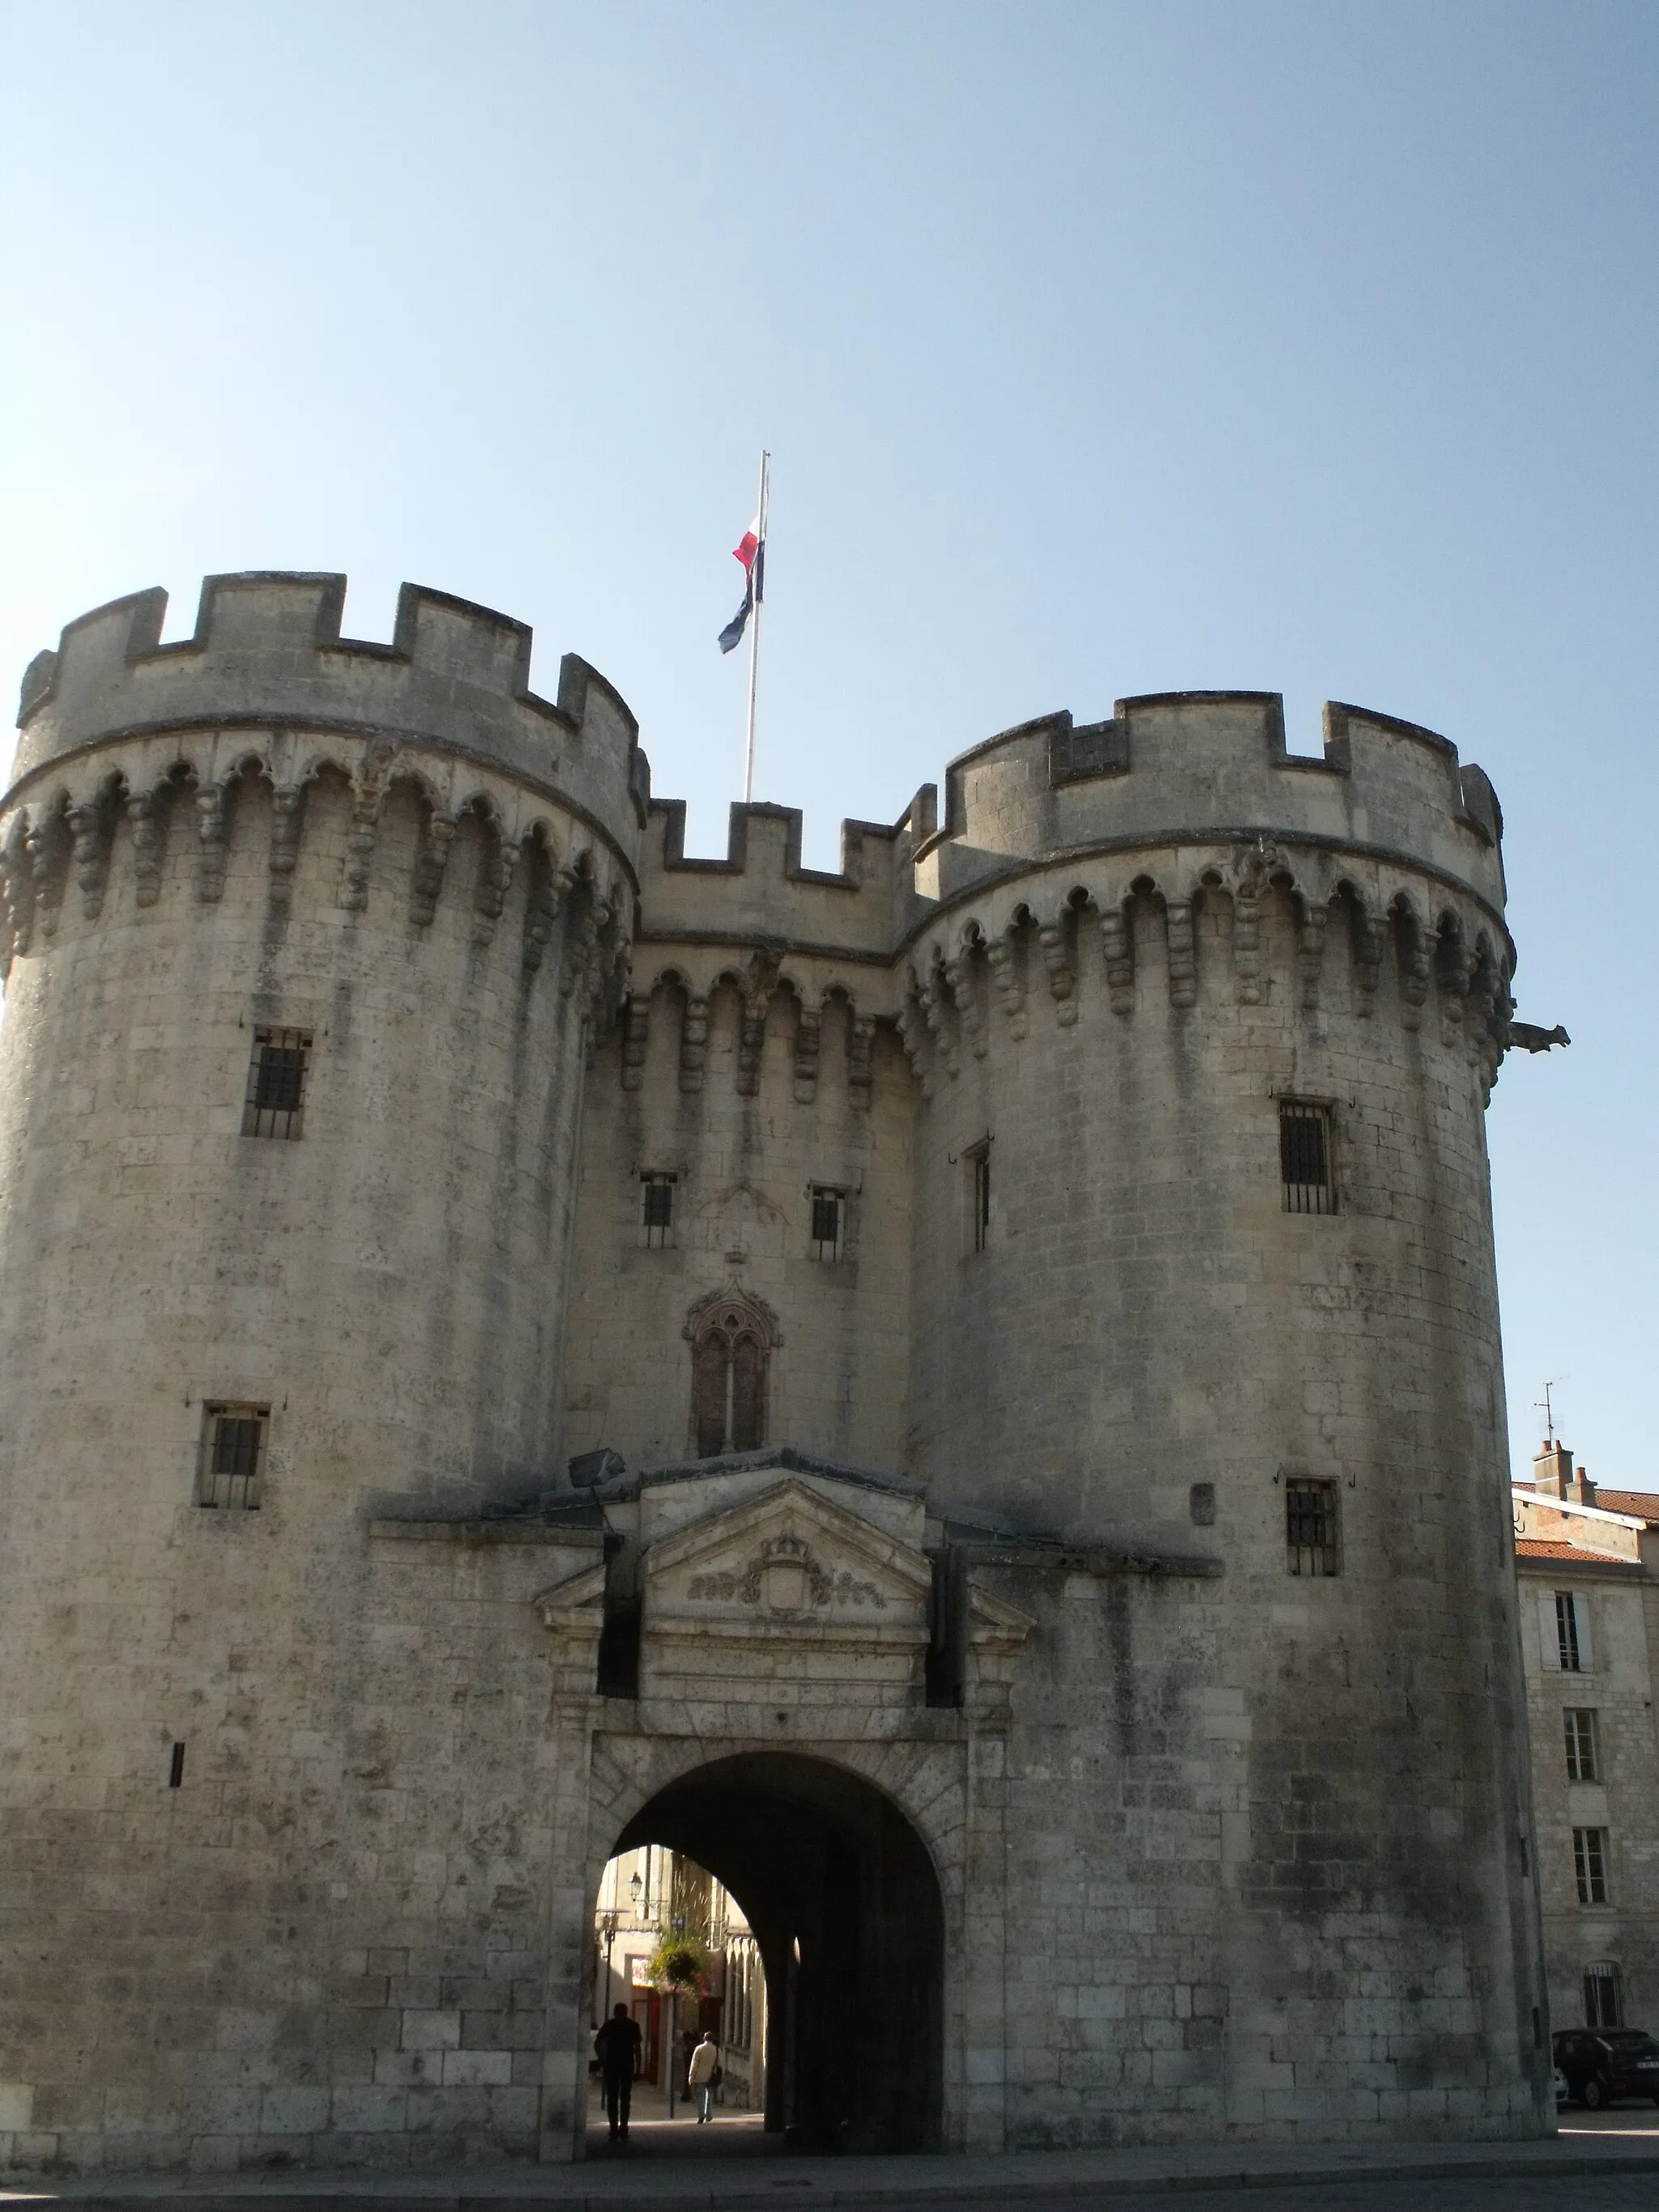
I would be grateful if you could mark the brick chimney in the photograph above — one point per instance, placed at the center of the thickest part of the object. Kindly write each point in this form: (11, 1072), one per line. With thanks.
(1551, 1469)
(1552, 1474)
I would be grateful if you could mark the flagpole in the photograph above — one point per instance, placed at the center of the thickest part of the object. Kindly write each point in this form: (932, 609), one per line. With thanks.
(754, 634)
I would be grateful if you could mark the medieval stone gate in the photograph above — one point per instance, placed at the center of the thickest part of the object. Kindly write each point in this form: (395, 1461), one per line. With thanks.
(779, 1736)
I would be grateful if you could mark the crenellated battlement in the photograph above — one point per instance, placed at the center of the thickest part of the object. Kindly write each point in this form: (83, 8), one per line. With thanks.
(390, 1108)
(761, 894)
(1059, 839)
(1175, 768)
(267, 654)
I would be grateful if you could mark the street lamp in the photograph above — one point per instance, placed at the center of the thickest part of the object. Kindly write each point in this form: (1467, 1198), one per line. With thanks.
(608, 1924)
(634, 1887)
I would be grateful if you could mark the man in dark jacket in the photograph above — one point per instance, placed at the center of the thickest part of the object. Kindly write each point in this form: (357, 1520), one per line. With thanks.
(617, 2046)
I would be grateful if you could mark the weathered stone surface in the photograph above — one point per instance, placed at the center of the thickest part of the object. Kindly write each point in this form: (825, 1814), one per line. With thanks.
(1217, 1848)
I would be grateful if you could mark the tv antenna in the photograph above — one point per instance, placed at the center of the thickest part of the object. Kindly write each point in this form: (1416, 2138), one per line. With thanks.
(1544, 1406)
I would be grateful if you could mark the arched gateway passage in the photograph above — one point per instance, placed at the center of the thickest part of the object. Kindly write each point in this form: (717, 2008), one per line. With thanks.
(845, 1906)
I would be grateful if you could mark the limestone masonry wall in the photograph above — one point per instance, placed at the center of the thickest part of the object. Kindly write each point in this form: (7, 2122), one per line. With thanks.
(1220, 1847)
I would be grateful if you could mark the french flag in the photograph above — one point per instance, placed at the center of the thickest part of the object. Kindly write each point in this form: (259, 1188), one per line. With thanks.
(750, 550)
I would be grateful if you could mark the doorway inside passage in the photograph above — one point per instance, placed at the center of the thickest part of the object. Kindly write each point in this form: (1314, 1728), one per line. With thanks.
(800, 1914)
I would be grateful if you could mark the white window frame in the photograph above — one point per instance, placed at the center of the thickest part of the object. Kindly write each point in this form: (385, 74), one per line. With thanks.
(1575, 1739)
(1565, 1631)
(1592, 1857)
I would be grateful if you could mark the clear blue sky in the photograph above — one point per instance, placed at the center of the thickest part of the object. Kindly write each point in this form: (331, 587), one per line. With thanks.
(1101, 348)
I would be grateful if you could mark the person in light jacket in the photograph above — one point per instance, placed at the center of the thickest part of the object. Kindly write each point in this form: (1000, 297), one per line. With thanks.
(705, 2065)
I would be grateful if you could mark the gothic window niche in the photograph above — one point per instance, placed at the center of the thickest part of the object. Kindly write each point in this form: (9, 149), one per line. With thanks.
(731, 1338)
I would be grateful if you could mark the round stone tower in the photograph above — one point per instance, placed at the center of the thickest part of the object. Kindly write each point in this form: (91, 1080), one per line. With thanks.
(303, 938)
(1205, 1033)
(1182, 1633)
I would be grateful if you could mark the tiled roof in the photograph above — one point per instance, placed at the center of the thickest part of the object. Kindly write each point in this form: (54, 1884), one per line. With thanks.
(1538, 1547)
(1643, 1502)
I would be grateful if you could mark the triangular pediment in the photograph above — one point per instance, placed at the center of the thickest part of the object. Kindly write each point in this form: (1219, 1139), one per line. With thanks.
(994, 1625)
(574, 1607)
(787, 1558)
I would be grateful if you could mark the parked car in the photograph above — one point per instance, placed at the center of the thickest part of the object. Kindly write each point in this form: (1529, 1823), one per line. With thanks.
(1601, 2063)
(1563, 2094)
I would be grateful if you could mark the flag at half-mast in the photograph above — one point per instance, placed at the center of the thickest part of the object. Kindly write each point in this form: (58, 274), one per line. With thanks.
(750, 550)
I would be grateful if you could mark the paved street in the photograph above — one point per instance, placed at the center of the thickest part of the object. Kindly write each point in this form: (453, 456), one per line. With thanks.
(1630, 2192)
(1608, 2162)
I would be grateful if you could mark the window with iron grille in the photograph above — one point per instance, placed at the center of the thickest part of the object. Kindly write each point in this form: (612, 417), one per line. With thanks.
(829, 1216)
(656, 1211)
(1590, 1864)
(1583, 1750)
(1602, 2005)
(276, 1101)
(1310, 1538)
(1304, 1157)
(979, 1196)
(1566, 1632)
(232, 1456)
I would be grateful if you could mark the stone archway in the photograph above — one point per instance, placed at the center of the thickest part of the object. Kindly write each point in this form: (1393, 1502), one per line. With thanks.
(847, 1911)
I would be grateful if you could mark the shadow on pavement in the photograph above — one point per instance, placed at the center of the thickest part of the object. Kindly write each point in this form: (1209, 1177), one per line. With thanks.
(652, 2134)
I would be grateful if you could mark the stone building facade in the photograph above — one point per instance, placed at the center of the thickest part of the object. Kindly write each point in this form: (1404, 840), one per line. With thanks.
(990, 1301)
(1588, 1560)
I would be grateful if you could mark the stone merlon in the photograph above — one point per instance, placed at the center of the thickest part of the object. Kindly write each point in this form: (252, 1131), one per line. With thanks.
(267, 652)
(1203, 766)
(1168, 769)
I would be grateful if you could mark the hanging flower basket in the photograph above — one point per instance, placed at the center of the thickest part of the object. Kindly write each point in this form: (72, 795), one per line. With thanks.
(680, 1962)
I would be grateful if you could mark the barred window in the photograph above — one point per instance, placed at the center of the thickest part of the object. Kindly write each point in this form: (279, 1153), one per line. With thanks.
(1583, 1750)
(979, 1196)
(1602, 2005)
(1567, 1637)
(1590, 1864)
(232, 1456)
(1304, 1157)
(275, 1106)
(656, 1211)
(1310, 1537)
(828, 1216)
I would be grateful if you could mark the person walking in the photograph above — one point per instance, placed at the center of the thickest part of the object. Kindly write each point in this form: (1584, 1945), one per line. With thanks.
(705, 2065)
(617, 2047)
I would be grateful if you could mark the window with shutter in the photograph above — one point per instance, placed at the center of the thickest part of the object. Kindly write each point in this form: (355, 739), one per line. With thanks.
(656, 1211)
(1572, 1633)
(828, 1210)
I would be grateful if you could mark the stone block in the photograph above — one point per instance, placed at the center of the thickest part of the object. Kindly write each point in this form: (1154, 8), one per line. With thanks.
(368, 2111)
(478, 2069)
(421, 2030)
